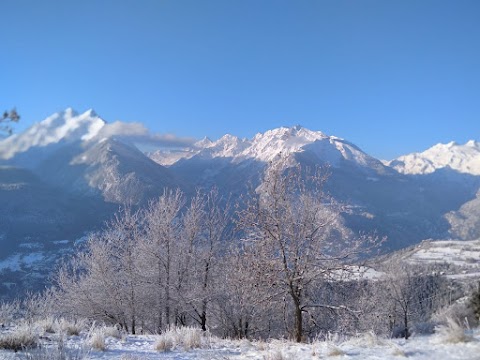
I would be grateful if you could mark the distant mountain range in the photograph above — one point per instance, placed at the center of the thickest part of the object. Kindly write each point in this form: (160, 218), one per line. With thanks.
(67, 174)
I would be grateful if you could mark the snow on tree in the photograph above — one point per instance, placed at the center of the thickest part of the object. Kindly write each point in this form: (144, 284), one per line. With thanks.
(293, 229)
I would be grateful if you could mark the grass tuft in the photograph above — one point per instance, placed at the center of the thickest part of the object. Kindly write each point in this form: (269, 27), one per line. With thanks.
(451, 332)
(19, 339)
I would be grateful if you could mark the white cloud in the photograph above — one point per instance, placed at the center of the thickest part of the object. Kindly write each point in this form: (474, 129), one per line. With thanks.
(138, 134)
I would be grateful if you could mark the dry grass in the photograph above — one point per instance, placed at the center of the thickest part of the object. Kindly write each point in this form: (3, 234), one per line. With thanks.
(185, 337)
(96, 340)
(19, 339)
(451, 332)
(71, 328)
(164, 343)
(334, 350)
(275, 354)
(112, 331)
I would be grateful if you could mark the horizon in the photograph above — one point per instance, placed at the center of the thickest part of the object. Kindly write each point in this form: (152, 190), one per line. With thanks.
(147, 141)
(391, 77)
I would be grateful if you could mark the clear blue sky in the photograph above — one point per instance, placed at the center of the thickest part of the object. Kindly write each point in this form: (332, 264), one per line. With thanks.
(392, 76)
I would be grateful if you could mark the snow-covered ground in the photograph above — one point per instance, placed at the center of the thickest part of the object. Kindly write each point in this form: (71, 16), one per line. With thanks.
(367, 346)
(459, 259)
(460, 253)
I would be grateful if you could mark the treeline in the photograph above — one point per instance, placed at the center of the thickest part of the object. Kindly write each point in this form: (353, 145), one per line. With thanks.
(277, 263)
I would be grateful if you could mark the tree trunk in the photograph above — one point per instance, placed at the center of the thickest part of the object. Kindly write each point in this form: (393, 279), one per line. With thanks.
(298, 323)
(203, 316)
(405, 323)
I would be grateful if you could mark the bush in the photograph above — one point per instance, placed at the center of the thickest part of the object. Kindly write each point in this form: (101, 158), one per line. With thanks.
(19, 339)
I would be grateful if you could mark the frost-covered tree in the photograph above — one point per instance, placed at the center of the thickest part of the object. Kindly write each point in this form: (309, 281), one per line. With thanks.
(161, 248)
(409, 295)
(294, 230)
(102, 282)
(151, 268)
(207, 223)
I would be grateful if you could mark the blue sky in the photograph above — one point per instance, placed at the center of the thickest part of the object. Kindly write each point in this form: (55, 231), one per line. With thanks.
(392, 76)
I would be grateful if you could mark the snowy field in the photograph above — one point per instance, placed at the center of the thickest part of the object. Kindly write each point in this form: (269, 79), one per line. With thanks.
(442, 345)
(461, 253)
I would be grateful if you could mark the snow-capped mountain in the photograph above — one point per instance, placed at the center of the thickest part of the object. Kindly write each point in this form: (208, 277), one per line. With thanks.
(60, 128)
(79, 161)
(268, 146)
(461, 158)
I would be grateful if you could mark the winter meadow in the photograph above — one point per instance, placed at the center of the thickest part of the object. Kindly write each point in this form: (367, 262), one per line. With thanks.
(264, 180)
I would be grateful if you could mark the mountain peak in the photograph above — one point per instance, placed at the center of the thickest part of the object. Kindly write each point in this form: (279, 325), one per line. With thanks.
(462, 158)
(205, 142)
(64, 126)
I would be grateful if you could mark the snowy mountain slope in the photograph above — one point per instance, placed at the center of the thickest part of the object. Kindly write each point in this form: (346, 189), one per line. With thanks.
(70, 151)
(268, 146)
(462, 158)
(456, 259)
(451, 173)
(32, 215)
(465, 222)
(43, 138)
(119, 172)
(213, 161)
(378, 197)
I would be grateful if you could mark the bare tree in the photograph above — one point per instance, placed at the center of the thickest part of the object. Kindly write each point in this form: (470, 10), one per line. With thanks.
(163, 228)
(214, 232)
(294, 230)
(6, 118)
(102, 282)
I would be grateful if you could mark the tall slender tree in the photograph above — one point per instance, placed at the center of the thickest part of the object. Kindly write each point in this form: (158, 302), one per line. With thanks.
(293, 228)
